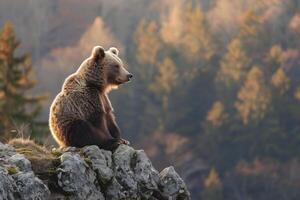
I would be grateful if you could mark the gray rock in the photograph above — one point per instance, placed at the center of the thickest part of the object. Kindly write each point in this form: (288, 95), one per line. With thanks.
(100, 161)
(17, 180)
(172, 185)
(145, 174)
(21, 162)
(77, 179)
(8, 188)
(115, 191)
(89, 173)
(6, 150)
(30, 187)
(123, 163)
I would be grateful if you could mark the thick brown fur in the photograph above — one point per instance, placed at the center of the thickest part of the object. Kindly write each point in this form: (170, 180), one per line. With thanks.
(81, 114)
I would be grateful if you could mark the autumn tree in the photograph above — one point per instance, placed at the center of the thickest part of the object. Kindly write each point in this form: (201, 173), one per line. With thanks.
(232, 71)
(144, 67)
(280, 81)
(254, 97)
(234, 64)
(163, 84)
(17, 107)
(186, 28)
(148, 42)
(253, 34)
(273, 60)
(250, 22)
(275, 72)
(216, 115)
(213, 186)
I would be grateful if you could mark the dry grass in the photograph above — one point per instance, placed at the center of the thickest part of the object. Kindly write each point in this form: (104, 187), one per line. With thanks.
(43, 161)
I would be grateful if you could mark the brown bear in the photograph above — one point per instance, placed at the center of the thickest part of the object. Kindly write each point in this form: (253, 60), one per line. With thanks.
(81, 114)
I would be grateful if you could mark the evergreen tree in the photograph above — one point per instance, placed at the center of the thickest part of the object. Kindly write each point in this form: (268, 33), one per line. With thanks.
(16, 107)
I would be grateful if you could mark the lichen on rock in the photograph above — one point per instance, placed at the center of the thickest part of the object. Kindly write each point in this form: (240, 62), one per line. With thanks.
(85, 173)
(17, 180)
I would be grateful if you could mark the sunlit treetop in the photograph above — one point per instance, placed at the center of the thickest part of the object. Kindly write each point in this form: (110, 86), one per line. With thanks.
(254, 97)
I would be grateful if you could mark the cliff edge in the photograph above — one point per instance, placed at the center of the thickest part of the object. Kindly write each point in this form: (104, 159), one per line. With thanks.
(29, 171)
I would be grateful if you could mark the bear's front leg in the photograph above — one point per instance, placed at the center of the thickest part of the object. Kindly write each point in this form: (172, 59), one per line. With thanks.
(114, 129)
(106, 140)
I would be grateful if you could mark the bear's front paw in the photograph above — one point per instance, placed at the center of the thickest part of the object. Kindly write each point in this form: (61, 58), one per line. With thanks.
(123, 141)
(111, 144)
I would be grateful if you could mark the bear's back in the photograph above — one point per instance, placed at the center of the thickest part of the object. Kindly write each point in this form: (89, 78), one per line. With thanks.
(75, 101)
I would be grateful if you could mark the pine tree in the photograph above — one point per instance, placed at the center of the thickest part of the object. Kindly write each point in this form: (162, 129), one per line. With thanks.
(16, 107)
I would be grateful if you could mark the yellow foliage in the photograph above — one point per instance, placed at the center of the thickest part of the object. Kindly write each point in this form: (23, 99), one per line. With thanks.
(294, 23)
(172, 25)
(148, 43)
(234, 63)
(185, 28)
(280, 81)
(249, 22)
(297, 94)
(216, 114)
(275, 53)
(167, 76)
(212, 179)
(174, 142)
(253, 98)
(97, 33)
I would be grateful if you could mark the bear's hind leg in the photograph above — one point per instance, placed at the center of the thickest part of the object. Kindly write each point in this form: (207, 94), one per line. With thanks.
(78, 134)
(81, 133)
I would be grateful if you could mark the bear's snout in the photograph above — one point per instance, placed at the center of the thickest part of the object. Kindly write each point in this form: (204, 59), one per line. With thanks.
(129, 76)
(123, 79)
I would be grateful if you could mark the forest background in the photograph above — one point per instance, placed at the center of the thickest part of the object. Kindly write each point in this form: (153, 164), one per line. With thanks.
(216, 89)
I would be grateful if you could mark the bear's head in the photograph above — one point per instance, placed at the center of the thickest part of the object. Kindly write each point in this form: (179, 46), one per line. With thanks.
(104, 69)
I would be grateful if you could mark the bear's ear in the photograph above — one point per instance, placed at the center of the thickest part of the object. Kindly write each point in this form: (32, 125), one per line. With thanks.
(114, 50)
(98, 52)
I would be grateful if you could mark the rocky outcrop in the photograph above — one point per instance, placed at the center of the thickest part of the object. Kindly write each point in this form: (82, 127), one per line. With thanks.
(88, 173)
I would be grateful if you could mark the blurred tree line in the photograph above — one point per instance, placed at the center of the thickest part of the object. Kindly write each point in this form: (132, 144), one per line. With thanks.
(18, 109)
(216, 90)
(236, 100)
